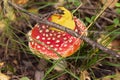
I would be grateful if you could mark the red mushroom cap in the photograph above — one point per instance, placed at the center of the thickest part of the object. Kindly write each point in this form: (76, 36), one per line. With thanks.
(53, 44)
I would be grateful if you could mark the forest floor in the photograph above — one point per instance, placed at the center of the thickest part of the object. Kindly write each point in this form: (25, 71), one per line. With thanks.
(17, 62)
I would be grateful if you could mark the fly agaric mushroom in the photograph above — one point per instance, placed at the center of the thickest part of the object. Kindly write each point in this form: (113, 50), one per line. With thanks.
(51, 43)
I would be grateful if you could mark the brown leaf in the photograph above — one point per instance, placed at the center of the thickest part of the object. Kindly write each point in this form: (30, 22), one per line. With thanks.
(84, 75)
(109, 3)
(4, 77)
(115, 45)
(1, 64)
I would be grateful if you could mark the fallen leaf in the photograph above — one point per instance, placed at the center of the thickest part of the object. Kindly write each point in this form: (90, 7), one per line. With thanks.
(4, 77)
(10, 14)
(2, 25)
(115, 45)
(21, 2)
(109, 3)
(103, 40)
(60, 66)
(84, 75)
(9, 11)
(1, 64)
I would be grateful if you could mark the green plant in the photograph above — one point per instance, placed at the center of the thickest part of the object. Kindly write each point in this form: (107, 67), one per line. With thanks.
(118, 8)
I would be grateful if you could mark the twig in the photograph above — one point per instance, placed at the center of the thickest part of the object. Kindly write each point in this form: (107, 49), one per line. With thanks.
(45, 16)
(73, 33)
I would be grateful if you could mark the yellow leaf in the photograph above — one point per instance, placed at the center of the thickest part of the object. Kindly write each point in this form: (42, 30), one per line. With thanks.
(4, 77)
(65, 19)
(103, 40)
